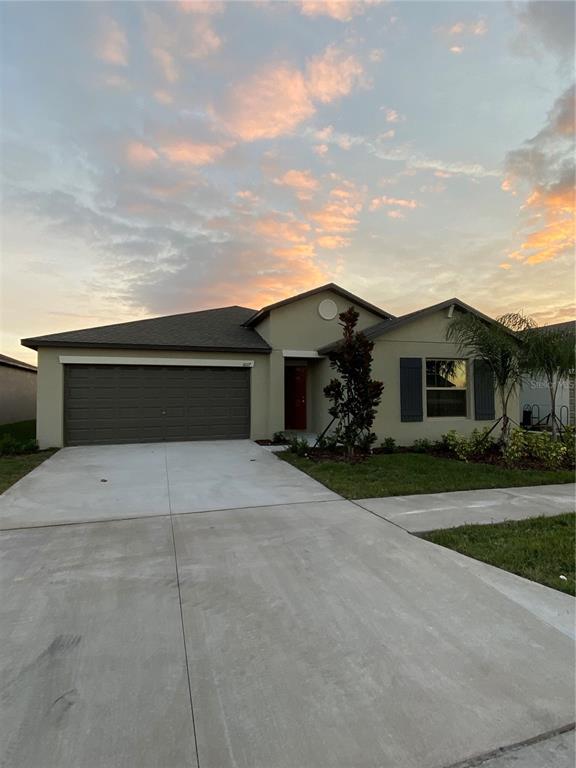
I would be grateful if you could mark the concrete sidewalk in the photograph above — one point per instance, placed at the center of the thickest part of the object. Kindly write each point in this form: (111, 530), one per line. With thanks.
(430, 512)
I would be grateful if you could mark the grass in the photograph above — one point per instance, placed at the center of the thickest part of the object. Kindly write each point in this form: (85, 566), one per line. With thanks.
(12, 468)
(540, 549)
(21, 430)
(402, 474)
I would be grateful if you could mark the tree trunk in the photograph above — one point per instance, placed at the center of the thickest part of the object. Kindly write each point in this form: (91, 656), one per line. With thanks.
(505, 420)
(553, 392)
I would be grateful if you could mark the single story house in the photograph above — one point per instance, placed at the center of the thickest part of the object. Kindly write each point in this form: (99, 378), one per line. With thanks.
(535, 394)
(240, 373)
(17, 390)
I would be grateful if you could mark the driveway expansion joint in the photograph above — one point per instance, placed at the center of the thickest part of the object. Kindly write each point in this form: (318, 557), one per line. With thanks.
(472, 762)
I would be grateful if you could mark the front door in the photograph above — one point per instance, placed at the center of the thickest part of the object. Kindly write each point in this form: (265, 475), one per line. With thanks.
(295, 397)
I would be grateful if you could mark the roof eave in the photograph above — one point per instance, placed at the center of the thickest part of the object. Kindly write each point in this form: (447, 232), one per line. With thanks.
(38, 343)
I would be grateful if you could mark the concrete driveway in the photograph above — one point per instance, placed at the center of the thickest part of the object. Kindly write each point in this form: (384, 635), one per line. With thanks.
(123, 481)
(280, 635)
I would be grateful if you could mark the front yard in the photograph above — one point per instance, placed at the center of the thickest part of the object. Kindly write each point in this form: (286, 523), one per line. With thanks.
(12, 468)
(540, 549)
(402, 474)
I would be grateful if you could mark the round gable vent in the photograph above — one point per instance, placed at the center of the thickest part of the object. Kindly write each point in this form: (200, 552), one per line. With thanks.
(327, 309)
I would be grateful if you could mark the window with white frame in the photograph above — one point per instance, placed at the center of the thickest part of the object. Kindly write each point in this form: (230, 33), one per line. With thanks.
(446, 383)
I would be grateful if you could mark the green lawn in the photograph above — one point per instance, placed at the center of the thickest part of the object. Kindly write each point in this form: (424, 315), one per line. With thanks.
(12, 468)
(402, 474)
(540, 549)
(21, 430)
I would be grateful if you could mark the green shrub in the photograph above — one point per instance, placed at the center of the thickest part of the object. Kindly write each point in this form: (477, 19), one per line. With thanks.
(279, 438)
(299, 446)
(328, 442)
(11, 446)
(569, 442)
(477, 444)
(388, 445)
(422, 445)
(535, 446)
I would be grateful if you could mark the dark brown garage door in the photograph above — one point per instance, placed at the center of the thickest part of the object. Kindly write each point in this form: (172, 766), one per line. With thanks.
(145, 403)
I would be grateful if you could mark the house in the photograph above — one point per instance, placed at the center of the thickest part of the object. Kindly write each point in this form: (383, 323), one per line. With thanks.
(17, 390)
(535, 403)
(241, 373)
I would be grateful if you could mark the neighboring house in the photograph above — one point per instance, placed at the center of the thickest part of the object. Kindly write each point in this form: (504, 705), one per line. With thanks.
(535, 394)
(239, 373)
(17, 390)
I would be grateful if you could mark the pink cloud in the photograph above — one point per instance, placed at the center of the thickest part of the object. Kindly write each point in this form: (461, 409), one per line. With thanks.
(140, 155)
(303, 182)
(274, 101)
(112, 46)
(163, 97)
(282, 229)
(456, 49)
(167, 64)
(192, 153)
(332, 242)
(395, 214)
(320, 149)
(398, 202)
(332, 74)
(341, 10)
(393, 116)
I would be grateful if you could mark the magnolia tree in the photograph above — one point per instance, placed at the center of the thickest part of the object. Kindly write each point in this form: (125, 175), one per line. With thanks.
(354, 395)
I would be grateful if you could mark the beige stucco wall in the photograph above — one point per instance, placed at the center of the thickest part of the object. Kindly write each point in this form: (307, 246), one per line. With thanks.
(17, 394)
(425, 338)
(50, 411)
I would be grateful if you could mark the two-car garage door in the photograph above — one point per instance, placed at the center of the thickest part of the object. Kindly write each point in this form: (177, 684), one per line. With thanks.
(149, 403)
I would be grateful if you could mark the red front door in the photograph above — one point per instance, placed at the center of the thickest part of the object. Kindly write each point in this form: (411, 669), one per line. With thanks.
(295, 397)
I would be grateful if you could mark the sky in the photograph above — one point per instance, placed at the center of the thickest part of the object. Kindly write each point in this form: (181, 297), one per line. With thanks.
(165, 157)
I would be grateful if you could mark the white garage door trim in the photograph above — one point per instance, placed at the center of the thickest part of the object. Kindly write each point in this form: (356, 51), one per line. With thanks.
(187, 361)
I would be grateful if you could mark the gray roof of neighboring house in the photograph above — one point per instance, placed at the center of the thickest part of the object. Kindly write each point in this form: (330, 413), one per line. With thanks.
(11, 362)
(569, 325)
(396, 322)
(265, 311)
(221, 330)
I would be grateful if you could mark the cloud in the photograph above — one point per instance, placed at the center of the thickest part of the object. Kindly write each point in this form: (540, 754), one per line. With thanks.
(184, 152)
(476, 28)
(456, 49)
(545, 165)
(339, 215)
(341, 10)
(332, 75)
(275, 100)
(140, 155)
(302, 182)
(545, 26)
(167, 64)
(392, 115)
(112, 45)
(399, 202)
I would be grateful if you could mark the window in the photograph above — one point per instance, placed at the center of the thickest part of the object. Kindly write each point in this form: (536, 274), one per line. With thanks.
(446, 388)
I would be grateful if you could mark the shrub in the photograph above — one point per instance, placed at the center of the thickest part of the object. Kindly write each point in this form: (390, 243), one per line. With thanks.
(299, 446)
(422, 445)
(569, 442)
(388, 445)
(477, 444)
(535, 446)
(11, 446)
(328, 442)
(279, 438)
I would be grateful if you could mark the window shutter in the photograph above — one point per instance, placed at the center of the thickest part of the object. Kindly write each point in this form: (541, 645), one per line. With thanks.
(411, 388)
(483, 392)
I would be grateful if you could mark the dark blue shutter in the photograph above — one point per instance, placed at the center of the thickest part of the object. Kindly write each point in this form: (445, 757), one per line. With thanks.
(411, 388)
(483, 391)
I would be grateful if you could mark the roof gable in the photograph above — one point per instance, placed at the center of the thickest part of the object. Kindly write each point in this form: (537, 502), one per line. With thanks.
(265, 311)
(11, 362)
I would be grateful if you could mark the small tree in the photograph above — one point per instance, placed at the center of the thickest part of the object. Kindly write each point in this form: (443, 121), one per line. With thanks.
(500, 346)
(355, 395)
(549, 352)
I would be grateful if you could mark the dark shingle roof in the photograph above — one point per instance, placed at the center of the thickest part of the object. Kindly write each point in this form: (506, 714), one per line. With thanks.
(219, 330)
(569, 325)
(13, 363)
(265, 311)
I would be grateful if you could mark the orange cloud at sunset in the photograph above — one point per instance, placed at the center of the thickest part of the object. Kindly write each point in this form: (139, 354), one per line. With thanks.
(139, 154)
(378, 202)
(275, 100)
(303, 182)
(341, 10)
(192, 153)
(112, 46)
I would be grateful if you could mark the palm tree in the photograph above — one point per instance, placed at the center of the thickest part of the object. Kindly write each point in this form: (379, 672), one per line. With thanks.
(549, 352)
(499, 345)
